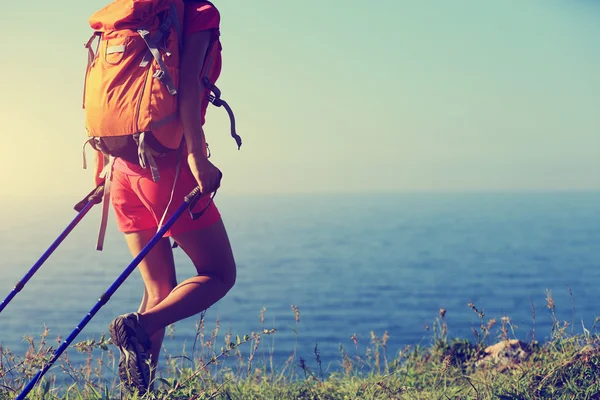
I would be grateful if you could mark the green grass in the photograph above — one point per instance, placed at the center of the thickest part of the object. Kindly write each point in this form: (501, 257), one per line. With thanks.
(224, 366)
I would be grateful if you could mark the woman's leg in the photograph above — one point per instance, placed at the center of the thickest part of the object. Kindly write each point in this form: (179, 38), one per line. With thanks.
(210, 252)
(158, 273)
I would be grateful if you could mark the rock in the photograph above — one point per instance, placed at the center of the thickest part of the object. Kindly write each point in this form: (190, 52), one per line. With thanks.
(507, 354)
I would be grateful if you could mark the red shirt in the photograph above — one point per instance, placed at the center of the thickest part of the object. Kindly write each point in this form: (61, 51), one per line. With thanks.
(200, 16)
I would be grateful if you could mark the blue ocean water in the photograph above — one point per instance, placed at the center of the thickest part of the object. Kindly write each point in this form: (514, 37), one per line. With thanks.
(352, 264)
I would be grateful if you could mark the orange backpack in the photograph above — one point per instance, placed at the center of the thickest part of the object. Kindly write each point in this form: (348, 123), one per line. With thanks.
(130, 92)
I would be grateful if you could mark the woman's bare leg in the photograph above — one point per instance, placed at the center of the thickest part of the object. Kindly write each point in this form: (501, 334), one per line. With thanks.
(158, 272)
(210, 252)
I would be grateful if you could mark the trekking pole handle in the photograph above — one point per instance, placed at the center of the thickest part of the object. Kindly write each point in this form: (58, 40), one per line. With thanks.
(95, 196)
(195, 195)
(193, 198)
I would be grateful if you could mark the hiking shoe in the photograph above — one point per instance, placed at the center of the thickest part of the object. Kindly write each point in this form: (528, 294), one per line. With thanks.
(134, 344)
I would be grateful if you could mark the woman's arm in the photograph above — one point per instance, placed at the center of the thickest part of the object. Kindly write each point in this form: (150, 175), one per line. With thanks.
(190, 90)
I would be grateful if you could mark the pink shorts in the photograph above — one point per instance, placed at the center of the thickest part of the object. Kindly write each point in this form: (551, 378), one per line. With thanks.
(139, 202)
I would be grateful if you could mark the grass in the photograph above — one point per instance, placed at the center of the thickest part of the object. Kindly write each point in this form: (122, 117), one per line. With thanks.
(223, 366)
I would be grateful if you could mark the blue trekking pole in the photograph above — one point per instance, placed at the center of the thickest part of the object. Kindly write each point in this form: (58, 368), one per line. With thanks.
(94, 197)
(189, 202)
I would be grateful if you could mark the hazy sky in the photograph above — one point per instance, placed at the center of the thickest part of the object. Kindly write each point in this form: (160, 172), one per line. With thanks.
(336, 96)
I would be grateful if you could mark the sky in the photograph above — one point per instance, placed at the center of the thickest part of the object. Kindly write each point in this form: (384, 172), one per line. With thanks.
(341, 96)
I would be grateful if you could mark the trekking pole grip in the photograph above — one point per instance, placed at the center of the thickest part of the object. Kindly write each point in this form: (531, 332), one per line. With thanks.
(192, 198)
(94, 196)
(195, 195)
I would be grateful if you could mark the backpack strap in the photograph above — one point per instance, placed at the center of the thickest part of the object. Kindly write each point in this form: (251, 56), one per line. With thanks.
(216, 100)
(214, 94)
(153, 44)
(161, 74)
(91, 56)
(89, 141)
(107, 175)
(145, 156)
(175, 22)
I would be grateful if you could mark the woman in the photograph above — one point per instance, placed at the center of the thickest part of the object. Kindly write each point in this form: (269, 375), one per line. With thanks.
(139, 204)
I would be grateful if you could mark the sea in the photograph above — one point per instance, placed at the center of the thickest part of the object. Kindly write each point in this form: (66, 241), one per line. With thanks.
(356, 267)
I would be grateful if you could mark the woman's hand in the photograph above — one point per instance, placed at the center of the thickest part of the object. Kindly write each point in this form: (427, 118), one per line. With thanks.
(206, 174)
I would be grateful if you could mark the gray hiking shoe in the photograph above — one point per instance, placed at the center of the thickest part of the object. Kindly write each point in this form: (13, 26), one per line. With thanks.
(134, 344)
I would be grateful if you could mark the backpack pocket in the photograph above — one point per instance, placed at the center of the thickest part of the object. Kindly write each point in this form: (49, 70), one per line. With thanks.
(116, 86)
(115, 50)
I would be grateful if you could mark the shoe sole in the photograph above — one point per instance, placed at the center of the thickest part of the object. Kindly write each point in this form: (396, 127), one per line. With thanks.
(130, 367)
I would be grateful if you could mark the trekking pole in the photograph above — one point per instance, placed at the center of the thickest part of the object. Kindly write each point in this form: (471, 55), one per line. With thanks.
(94, 197)
(189, 202)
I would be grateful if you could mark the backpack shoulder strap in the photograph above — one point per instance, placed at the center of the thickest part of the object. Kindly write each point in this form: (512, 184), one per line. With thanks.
(162, 74)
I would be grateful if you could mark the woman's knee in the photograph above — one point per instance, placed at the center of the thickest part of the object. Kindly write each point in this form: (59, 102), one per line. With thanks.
(225, 274)
(229, 277)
